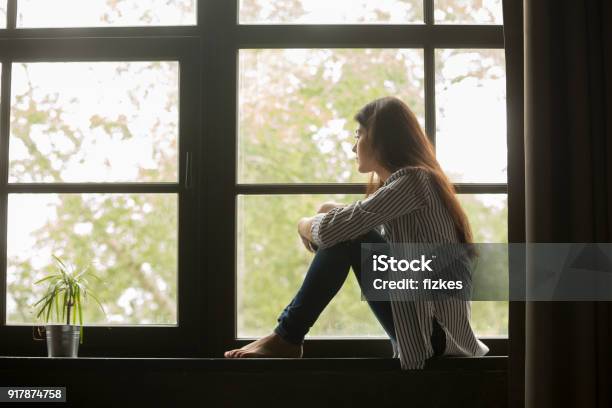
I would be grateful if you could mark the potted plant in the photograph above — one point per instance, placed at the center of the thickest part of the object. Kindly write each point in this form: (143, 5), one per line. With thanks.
(66, 292)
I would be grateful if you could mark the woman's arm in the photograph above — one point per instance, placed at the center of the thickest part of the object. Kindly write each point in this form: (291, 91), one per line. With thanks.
(305, 228)
(402, 195)
(305, 224)
(329, 205)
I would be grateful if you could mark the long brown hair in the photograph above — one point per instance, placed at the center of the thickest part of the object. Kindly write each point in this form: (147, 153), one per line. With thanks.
(397, 140)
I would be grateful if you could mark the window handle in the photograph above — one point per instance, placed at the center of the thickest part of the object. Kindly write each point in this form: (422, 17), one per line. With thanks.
(188, 161)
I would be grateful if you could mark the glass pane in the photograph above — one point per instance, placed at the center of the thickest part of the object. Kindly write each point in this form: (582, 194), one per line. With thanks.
(104, 13)
(488, 216)
(3, 13)
(94, 122)
(471, 115)
(468, 11)
(296, 108)
(330, 12)
(130, 241)
(272, 263)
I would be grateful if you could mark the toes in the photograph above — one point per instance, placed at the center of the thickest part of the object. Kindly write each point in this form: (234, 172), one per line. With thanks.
(236, 353)
(252, 349)
(245, 354)
(231, 353)
(258, 353)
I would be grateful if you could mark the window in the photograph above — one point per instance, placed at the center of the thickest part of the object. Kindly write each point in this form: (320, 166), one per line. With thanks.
(99, 140)
(295, 109)
(175, 144)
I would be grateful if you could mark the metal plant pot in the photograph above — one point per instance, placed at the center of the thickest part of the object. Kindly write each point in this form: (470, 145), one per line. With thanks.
(62, 340)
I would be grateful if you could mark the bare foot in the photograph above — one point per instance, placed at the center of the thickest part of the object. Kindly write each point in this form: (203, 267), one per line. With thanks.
(270, 346)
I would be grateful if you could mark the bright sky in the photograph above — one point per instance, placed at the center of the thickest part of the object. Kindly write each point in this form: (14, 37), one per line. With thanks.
(90, 13)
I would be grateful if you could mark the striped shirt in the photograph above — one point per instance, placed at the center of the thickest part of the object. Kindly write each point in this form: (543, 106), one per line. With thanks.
(407, 209)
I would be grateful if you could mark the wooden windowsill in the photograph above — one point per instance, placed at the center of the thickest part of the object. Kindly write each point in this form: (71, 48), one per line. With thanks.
(486, 363)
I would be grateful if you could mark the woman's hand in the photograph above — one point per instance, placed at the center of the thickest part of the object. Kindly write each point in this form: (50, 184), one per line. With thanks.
(307, 244)
(304, 225)
(328, 206)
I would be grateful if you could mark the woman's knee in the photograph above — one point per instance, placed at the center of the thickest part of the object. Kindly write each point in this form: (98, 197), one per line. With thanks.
(370, 237)
(341, 249)
(352, 247)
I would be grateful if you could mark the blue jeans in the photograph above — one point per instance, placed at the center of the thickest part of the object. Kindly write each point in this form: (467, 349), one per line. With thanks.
(325, 276)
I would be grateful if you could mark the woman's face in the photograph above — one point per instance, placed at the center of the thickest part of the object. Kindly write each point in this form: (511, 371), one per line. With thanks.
(365, 159)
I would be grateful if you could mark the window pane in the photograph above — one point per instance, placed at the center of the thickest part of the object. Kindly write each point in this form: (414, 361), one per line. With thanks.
(488, 216)
(94, 122)
(331, 12)
(130, 240)
(101, 13)
(3, 13)
(272, 263)
(471, 115)
(296, 108)
(468, 11)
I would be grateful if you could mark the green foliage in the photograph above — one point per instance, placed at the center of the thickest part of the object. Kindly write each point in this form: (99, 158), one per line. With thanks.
(72, 287)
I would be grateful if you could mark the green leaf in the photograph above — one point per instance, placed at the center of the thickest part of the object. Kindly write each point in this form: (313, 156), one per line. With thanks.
(59, 261)
(74, 311)
(48, 306)
(78, 296)
(57, 313)
(48, 298)
(95, 277)
(83, 291)
(42, 299)
(42, 309)
(84, 271)
(46, 278)
(64, 306)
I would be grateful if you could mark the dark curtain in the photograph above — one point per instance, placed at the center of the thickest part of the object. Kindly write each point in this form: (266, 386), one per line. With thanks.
(568, 193)
(513, 45)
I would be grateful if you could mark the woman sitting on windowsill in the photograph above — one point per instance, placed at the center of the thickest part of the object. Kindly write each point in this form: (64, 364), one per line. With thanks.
(413, 201)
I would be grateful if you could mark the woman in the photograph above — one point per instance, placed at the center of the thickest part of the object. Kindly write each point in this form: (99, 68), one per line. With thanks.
(411, 201)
